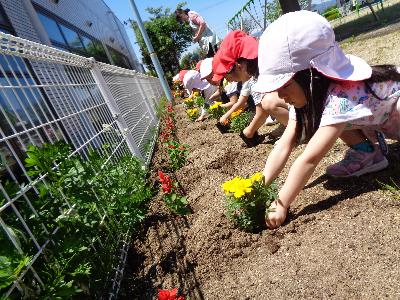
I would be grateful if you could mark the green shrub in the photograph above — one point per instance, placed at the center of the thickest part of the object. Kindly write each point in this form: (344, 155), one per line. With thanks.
(88, 206)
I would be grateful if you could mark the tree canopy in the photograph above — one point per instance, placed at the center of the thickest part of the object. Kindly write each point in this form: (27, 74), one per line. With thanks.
(190, 59)
(168, 37)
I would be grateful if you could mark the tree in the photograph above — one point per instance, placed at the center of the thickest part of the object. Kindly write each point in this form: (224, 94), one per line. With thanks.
(289, 5)
(190, 59)
(169, 39)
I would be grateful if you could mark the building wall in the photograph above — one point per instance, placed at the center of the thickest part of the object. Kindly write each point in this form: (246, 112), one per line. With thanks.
(105, 26)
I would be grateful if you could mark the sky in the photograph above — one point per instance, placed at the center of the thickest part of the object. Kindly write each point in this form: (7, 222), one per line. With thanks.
(216, 13)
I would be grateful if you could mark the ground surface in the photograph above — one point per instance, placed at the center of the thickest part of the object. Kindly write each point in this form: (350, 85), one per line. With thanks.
(340, 242)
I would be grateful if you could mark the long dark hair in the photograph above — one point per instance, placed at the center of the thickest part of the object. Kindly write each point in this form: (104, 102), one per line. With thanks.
(315, 87)
(180, 11)
(252, 66)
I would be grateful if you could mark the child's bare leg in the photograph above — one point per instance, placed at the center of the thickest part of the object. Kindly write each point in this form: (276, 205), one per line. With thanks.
(353, 137)
(276, 107)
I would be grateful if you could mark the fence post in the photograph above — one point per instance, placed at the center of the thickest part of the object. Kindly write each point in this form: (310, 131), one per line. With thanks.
(113, 107)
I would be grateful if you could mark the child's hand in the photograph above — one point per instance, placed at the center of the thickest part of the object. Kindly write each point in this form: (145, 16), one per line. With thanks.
(223, 120)
(277, 215)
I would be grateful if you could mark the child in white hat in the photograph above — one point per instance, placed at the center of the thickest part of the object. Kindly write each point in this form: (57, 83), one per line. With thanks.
(332, 95)
(227, 92)
(193, 83)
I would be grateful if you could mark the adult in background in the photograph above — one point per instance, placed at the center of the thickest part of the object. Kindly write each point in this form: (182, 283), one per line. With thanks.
(203, 35)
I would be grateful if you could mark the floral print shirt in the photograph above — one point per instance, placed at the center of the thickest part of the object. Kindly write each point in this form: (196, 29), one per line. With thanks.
(352, 103)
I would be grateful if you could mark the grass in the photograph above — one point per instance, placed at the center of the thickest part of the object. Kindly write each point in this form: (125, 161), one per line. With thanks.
(366, 22)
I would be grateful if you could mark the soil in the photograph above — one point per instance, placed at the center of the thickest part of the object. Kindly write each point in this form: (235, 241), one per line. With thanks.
(340, 240)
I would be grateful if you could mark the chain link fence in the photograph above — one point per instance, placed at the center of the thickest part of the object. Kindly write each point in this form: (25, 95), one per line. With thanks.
(46, 96)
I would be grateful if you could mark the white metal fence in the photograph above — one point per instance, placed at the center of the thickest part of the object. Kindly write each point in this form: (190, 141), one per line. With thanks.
(47, 95)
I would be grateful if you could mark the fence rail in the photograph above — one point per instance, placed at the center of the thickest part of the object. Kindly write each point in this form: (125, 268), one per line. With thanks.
(48, 95)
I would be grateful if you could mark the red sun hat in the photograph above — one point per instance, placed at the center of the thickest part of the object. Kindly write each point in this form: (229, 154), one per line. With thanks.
(182, 74)
(198, 65)
(235, 45)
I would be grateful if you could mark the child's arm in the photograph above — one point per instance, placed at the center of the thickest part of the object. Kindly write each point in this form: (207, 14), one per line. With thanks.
(278, 157)
(302, 169)
(232, 100)
(215, 95)
(241, 103)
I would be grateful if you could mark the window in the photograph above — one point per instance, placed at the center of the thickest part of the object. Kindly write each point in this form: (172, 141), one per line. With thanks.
(68, 38)
(72, 38)
(20, 108)
(52, 29)
(119, 59)
(95, 48)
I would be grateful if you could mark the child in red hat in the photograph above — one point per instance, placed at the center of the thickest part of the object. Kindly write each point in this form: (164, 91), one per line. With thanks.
(237, 60)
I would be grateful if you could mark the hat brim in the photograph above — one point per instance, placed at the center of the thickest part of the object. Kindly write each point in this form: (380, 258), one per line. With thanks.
(271, 83)
(347, 68)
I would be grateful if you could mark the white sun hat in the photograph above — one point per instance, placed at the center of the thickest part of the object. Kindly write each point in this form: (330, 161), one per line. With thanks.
(192, 80)
(176, 77)
(301, 40)
(206, 67)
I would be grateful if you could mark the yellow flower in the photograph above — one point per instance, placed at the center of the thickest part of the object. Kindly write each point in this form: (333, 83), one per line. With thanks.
(215, 105)
(237, 186)
(196, 94)
(188, 100)
(192, 112)
(236, 113)
(256, 177)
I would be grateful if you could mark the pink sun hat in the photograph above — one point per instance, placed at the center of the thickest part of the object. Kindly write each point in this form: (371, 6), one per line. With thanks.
(192, 80)
(301, 40)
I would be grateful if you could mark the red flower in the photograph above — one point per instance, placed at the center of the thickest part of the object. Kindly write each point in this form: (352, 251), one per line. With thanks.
(182, 148)
(170, 108)
(171, 146)
(166, 182)
(161, 175)
(165, 136)
(169, 295)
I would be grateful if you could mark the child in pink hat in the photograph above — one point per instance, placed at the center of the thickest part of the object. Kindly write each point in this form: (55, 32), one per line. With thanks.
(332, 95)
(193, 83)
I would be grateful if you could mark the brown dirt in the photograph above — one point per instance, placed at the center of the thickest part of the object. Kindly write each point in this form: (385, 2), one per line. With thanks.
(339, 242)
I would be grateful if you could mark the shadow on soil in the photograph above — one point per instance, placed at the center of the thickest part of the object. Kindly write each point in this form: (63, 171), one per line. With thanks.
(170, 259)
(353, 187)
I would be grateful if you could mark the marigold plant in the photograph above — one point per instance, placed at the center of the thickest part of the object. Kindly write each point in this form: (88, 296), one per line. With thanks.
(193, 113)
(189, 103)
(199, 101)
(239, 121)
(216, 111)
(247, 200)
(172, 197)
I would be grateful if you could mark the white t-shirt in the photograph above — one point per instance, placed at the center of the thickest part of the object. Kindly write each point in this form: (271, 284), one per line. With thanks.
(247, 90)
(231, 88)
